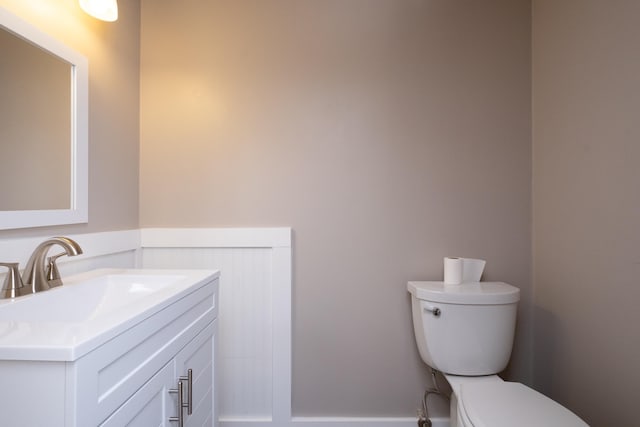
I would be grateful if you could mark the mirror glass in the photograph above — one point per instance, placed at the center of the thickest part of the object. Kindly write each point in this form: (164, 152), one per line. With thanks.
(35, 88)
(43, 128)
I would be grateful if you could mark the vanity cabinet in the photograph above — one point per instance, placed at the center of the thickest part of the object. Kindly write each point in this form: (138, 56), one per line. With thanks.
(130, 379)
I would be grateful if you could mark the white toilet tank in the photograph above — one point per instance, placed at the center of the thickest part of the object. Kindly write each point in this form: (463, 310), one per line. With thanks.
(464, 329)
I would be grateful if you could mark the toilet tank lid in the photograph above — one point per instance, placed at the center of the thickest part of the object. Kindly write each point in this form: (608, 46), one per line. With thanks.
(506, 404)
(467, 293)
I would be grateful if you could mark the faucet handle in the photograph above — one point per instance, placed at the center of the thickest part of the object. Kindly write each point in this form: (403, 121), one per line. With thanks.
(52, 273)
(13, 285)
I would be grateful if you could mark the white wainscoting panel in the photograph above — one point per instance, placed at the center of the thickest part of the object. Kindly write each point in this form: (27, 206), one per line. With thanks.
(112, 249)
(246, 335)
(127, 259)
(255, 313)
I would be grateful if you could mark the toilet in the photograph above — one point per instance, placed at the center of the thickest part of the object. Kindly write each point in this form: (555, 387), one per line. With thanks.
(466, 332)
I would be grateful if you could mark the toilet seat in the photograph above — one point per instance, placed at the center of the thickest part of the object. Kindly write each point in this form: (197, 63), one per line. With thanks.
(508, 404)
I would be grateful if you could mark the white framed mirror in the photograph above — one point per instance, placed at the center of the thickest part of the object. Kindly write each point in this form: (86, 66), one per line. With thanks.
(43, 128)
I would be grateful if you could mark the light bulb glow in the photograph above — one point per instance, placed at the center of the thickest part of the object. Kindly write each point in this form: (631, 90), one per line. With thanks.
(106, 10)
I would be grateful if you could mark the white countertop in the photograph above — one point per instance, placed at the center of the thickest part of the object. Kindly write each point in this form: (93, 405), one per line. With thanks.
(67, 322)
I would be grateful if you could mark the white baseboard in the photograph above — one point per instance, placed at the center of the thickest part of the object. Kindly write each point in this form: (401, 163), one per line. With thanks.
(334, 422)
(363, 422)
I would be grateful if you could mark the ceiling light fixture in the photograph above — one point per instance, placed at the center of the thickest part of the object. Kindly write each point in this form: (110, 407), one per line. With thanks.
(106, 10)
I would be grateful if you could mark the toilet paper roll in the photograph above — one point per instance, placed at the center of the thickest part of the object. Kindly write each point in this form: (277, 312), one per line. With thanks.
(472, 269)
(462, 270)
(453, 270)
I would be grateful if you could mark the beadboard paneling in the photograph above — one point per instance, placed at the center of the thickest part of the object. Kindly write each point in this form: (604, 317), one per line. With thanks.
(246, 334)
(254, 363)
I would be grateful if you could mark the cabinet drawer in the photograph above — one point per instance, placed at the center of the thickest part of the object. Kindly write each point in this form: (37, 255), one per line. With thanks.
(108, 376)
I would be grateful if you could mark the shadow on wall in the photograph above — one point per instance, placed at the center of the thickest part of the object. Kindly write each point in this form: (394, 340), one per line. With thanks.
(546, 344)
(514, 369)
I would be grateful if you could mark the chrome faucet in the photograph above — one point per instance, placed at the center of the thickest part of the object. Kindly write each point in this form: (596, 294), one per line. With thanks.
(39, 277)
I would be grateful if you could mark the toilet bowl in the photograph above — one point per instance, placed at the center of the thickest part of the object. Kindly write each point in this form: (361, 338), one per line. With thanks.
(488, 401)
(466, 332)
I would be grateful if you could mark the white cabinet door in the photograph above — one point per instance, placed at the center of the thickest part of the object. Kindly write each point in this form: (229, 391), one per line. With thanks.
(199, 356)
(151, 406)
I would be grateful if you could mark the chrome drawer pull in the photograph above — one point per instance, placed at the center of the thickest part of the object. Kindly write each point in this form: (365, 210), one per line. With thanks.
(181, 404)
(189, 380)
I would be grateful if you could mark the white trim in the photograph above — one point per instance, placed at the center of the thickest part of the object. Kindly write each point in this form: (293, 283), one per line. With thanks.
(216, 237)
(333, 422)
(92, 244)
(78, 211)
(363, 422)
(282, 331)
(107, 243)
(352, 421)
(254, 421)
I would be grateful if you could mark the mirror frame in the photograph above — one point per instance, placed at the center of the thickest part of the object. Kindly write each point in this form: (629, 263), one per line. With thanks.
(78, 211)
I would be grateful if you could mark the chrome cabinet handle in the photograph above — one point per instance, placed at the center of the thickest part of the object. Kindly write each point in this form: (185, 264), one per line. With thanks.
(433, 310)
(181, 404)
(189, 380)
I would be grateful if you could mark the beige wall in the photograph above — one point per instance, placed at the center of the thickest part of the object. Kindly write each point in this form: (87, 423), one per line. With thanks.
(386, 133)
(586, 97)
(113, 53)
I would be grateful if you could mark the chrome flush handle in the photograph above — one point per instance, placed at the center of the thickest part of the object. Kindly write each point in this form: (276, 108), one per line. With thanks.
(433, 310)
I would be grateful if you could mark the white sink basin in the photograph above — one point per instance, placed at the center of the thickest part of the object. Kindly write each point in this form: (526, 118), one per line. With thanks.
(88, 299)
(66, 322)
